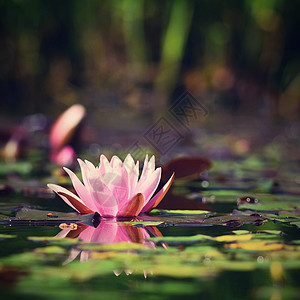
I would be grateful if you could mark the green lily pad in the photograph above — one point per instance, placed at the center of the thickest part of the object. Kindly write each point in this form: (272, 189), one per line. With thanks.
(182, 239)
(47, 239)
(179, 212)
(7, 236)
(271, 206)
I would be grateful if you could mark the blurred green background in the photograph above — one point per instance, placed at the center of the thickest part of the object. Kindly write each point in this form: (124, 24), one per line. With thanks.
(127, 62)
(136, 57)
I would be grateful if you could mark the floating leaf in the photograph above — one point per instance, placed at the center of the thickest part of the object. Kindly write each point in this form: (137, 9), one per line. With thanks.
(179, 212)
(238, 232)
(50, 250)
(144, 223)
(123, 246)
(295, 223)
(255, 246)
(7, 236)
(47, 239)
(271, 206)
(233, 238)
(34, 214)
(182, 239)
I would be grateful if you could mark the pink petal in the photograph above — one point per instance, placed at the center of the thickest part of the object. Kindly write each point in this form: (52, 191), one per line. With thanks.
(90, 166)
(104, 165)
(120, 187)
(64, 157)
(100, 194)
(151, 165)
(83, 209)
(84, 174)
(148, 169)
(150, 185)
(116, 162)
(70, 198)
(136, 177)
(103, 198)
(92, 172)
(133, 207)
(129, 163)
(133, 180)
(117, 182)
(85, 178)
(82, 192)
(158, 197)
(64, 127)
(133, 174)
(145, 168)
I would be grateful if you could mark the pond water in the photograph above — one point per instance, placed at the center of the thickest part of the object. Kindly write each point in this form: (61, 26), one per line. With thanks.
(238, 239)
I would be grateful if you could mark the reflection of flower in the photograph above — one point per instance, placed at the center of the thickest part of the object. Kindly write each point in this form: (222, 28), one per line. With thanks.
(112, 232)
(108, 232)
(114, 188)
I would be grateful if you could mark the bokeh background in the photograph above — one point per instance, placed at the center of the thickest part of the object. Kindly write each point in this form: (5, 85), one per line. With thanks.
(127, 61)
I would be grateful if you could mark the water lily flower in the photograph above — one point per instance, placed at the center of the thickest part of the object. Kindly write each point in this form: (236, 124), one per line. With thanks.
(64, 157)
(114, 188)
(62, 131)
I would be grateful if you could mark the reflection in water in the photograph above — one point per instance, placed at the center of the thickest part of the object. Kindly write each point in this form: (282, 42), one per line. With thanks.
(108, 232)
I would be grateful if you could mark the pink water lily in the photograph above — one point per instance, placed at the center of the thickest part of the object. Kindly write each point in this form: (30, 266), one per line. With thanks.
(115, 189)
(62, 132)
